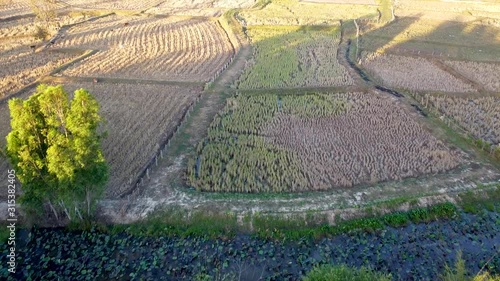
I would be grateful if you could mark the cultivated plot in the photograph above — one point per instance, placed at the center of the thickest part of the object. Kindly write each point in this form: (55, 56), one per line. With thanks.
(412, 73)
(284, 143)
(479, 116)
(150, 48)
(477, 40)
(138, 119)
(199, 7)
(114, 4)
(294, 57)
(486, 74)
(294, 12)
(22, 68)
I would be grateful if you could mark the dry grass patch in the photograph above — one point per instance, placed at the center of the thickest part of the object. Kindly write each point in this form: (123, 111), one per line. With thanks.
(480, 116)
(294, 12)
(486, 74)
(412, 73)
(150, 48)
(199, 7)
(23, 68)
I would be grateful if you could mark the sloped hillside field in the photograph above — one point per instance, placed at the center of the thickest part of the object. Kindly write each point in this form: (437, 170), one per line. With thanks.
(278, 143)
(413, 252)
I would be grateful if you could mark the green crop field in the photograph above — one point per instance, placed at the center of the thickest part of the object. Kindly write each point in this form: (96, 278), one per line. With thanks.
(288, 57)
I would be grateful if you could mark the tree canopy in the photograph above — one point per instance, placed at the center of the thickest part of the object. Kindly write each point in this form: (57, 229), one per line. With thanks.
(54, 146)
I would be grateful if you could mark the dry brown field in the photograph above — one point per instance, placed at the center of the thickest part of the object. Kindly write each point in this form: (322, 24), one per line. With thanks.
(138, 118)
(23, 68)
(455, 10)
(412, 73)
(479, 116)
(170, 48)
(286, 143)
(386, 144)
(486, 74)
(199, 7)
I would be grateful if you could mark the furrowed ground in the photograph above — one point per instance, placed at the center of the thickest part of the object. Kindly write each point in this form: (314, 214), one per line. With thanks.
(175, 49)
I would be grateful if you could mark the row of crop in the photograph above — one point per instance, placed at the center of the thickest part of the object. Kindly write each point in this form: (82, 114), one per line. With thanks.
(375, 140)
(314, 142)
(236, 156)
(412, 73)
(478, 116)
(161, 49)
(293, 57)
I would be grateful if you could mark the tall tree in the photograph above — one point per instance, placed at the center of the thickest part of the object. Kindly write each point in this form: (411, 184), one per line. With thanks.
(55, 147)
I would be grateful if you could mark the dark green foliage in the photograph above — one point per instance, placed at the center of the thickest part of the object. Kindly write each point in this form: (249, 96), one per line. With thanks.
(344, 273)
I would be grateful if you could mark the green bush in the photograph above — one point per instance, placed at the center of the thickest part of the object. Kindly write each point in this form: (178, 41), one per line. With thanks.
(343, 273)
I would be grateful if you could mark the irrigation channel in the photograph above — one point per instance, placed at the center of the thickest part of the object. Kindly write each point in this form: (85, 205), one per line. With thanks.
(412, 252)
(367, 79)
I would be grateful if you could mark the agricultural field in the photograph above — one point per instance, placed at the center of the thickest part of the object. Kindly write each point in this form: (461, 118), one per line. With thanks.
(294, 57)
(412, 73)
(283, 143)
(199, 7)
(485, 74)
(457, 11)
(141, 47)
(23, 68)
(114, 4)
(476, 40)
(138, 119)
(479, 116)
(295, 12)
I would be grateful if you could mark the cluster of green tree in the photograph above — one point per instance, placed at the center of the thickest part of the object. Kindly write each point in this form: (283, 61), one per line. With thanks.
(54, 146)
(236, 157)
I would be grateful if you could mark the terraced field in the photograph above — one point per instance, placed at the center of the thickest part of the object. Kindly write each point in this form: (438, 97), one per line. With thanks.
(150, 48)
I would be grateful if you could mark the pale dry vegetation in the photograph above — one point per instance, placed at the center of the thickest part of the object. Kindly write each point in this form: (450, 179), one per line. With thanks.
(455, 10)
(412, 73)
(114, 4)
(23, 68)
(10, 8)
(150, 48)
(294, 12)
(314, 142)
(199, 7)
(139, 118)
(480, 116)
(20, 33)
(294, 57)
(486, 74)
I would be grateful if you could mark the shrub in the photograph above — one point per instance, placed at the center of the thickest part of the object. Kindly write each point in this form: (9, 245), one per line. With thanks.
(342, 272)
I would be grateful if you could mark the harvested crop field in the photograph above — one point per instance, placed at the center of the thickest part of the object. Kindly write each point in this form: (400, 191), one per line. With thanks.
(115, 4)
(280, 143)
(23, 68)
(348, 2)
(486, 74)
(412, 73)
(170, 48)
(294, 57)
(199, 7)
(295, 12)
(479, 116)
(139, 118)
